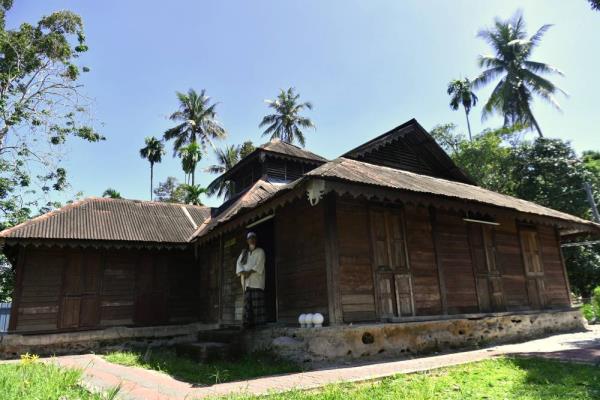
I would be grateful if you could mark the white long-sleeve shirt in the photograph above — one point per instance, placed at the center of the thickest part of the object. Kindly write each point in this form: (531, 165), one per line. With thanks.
(255, 264)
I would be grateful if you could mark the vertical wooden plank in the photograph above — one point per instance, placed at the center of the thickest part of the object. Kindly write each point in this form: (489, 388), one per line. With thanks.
(332, 261)
(564, 266)
(18, 290)
(440, 268)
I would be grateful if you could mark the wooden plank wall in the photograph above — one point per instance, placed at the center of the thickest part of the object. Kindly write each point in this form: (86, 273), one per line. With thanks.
(69, 289)
(300, 261)
(356, 273)
(454, 257)
(556, 293)
(421, 255)
(509, 261)
(209, 256)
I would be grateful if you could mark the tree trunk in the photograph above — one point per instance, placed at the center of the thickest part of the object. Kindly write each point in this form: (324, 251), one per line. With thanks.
(468, 125)
(536, 125)
(151, 178)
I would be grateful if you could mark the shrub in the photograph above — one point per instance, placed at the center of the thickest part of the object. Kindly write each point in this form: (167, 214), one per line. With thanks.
(591, 310)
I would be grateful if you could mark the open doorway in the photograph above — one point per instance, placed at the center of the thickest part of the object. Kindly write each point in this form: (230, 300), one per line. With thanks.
(266, 240)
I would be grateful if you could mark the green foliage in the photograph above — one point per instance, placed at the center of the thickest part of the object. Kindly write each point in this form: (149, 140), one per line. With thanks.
(461, 93)
(190, 156)
(32, 379)
(192, 194)
(246, 148)
(153, 152)
(501, 378)
(170, 191)
(286, 123)
(165, 360)
(520, 77)
(198, 123)
(226, 158)
(112, 193)
(591, 310)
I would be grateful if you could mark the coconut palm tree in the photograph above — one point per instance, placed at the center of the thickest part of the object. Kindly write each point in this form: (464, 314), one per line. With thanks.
(153, 152)
(190, 156)
(519, 75)
(226, 158)
(286, 123)
(461, 94)
(112, 193)
(197, 121)
(193, 193)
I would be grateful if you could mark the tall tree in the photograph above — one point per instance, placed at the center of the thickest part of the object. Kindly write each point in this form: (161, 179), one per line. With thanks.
(190, 156)
(193, 194)
(461, 93)
(153, 152)
(198, 123)
(169, 191)
(520, 77)
(226, 157)
(286, 123)
(112, 193)
(246, 148)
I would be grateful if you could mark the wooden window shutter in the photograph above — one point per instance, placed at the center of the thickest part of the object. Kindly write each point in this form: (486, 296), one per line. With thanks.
(379, 238)
(396, 236)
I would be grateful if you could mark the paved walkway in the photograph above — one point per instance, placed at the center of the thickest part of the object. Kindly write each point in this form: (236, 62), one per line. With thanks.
(138, 384)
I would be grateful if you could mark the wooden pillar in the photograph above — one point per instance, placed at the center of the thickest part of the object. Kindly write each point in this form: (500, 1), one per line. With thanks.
(17, 290)
(440, 267)
(332, 260)
(564, 266)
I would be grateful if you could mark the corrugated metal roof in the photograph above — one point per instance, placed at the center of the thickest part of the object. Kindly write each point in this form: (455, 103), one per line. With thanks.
(258, 193)
(278, 146)
(114, 220)
(356, 171)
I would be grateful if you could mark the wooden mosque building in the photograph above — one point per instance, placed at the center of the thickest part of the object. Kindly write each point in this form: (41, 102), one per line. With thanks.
(390, 231)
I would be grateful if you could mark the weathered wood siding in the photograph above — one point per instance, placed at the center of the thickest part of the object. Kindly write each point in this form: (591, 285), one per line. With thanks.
(509, 261)
(300, 261)
(454, 258)
(421, 253)
(356, 272)
(209, 256)
(556, 293)
(70, 289)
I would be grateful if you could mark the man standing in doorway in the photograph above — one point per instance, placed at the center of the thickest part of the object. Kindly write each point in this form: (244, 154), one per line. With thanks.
(250, 268)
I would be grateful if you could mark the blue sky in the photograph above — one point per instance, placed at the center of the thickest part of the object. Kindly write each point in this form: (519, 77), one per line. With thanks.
(367, 66)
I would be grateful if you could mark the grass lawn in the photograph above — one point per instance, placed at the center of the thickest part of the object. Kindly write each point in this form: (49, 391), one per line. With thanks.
(504, 378)
(31, 379)
(165, 360)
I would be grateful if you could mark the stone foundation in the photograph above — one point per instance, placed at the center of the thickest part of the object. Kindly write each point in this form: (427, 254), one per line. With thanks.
(12, 345)
(411, 338)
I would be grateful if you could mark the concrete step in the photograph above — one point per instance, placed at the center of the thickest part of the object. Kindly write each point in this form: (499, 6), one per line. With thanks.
(205, 351)
(223, 335)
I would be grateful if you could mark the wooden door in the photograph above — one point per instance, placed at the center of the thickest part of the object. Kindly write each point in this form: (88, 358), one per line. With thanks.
(151, 281)
(80, 306)
(390, 264)
(534, 271)
(487, 275)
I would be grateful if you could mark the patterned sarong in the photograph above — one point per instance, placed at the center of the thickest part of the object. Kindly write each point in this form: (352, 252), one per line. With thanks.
(254, 307)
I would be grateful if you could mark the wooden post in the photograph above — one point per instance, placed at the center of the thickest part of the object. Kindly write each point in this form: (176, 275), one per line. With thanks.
(564, 266)
(18, 289)
(440, 268)
(332, 261)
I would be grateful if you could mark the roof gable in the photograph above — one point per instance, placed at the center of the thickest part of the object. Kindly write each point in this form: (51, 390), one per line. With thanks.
(411, 148)
(114, 220)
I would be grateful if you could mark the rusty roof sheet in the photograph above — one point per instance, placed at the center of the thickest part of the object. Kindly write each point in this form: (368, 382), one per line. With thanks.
(348, 170)
(258, 193)
(114, 220)
(281, 147)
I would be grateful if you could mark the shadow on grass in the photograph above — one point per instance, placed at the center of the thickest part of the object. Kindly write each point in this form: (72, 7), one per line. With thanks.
(550, 379)
(203, 374)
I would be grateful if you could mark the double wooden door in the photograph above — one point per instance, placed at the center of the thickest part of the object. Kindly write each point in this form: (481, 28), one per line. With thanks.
(534, 271)
(488, 277)
(80, 305)
(393, 279)
(151, 295)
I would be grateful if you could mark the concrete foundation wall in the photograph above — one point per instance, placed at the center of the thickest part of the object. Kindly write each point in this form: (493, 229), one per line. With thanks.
(12, 345)
(410, 338)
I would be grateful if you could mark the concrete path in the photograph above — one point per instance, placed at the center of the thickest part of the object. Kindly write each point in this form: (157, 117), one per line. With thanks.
(138, 384)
